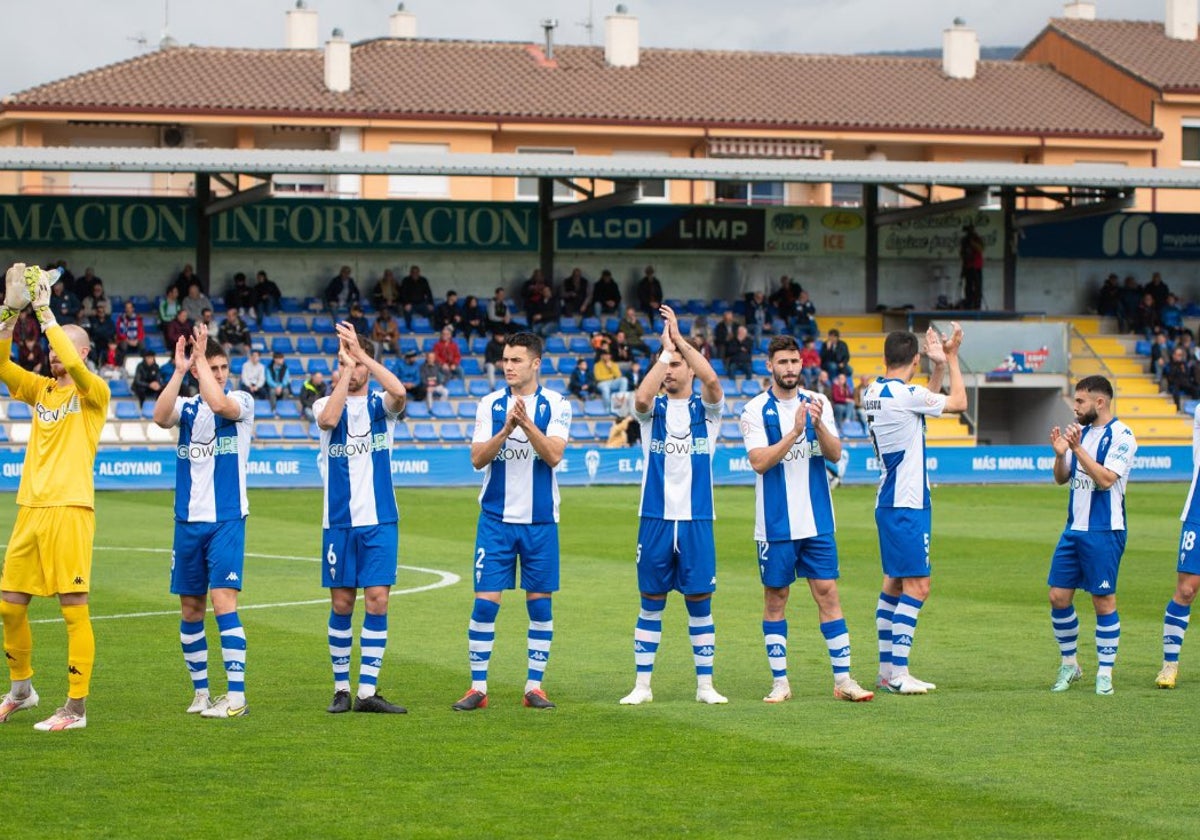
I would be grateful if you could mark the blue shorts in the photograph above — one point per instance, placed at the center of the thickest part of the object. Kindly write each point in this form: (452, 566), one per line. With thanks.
(1087, 560)
(354, 558)
(676, 555)
(1189, 552)
(782, 562)
(904, 541)
(497, 546)
(207, 555)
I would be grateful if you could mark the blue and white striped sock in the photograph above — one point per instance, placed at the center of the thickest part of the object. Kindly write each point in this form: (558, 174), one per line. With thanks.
(837, 640)
(775, 638)
(481, 635)
(1108, 637)
(704, 639)
(541, 633)
(340, 640)
(883, 627)
(1066, 632)
(195, 652)
(1175, 624)
(646, 636)
(371, 645)
(904, 627)
(233, 651)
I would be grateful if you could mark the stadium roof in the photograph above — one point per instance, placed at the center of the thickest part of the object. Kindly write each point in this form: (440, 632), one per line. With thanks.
(1140, 48)
(273, 162)
(471, 80)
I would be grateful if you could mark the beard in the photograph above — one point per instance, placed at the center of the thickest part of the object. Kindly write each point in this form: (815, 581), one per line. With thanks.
(1087, 419)
(787, 381)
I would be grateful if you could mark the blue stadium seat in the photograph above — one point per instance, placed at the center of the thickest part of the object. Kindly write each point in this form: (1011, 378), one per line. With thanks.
(729, 386)
(119, 388)
(420, 324)
(566, 365)
(282, 344)
(291, 304)
(271, 324)
(1189, 407)
(286, 410)
(442, 410)
(417, 410)
(126, 410)
(453, 432)
(720, 306)
(479, 388)
(409, 345)
(428, 344)
(696, 306)
(555, 344)
(596, 408)
(297, 324)
(653, 342)
(312, 304)
(424, 433)
(147, 410)
(479, 345)
(718, 365)
(402, 433)
(330, 345)
(456, 388)
(750, 388)
(590, 324)
(853, 429)
(602, 428)
(556, 384)
(581, 431)
(547, 368)
(568, 326)
(322, 325)
(471, 367)
(731, 431)
(236, 364)
(142, 304)
(294, 431)
(266, 431)
(296, 385)
(610, 325)
(156, 344)
(3, 435)
(319, 365)
(466, 410)
(685, 328)
(262, 409)
(307, 345)
(1142, 348)
(580, 346)
(464, 346)
(295, 367)
(759, 366)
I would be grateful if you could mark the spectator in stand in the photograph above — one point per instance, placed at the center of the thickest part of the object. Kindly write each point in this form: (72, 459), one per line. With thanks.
(601, 342)
(860, 413)
(493, 356)
(724, 334)
(31, 355)
(207, 319)
(447, 314)
(168, 308)
(1170, 315)
(835, 356)
(804, 321)
(783, 299)
(96, 296)
(314, 388)
(824, 384)
(1188, 343)
(103, 331)
(385, 334)
(701, 339)
(1160, 355)
(358, 320)
(267, 297)
(147, 378)
(1181, 377)
(415, 296)
(842, 397)
(254, 377)
(474, 318)
(195, 303)
(606, 296)
(622, 353)
(233, 334)
(1146, 319)
(637, 373)
(110, 361)
(739, 354)
(341, 291)
(608, 377)
(386, 294)
(634, 333)
(1131, 299)
(131, 330)
(810, 363)
(190, 385)
(499, 314)
(186, 278)
(448, 355)
(178, 327)
(240, 296)
(279, 379)
(574, 295)
(581, 383)
(86, 282)
(701, 328)
(26, 328)
(435, 380)
(1157, 289)
(649, 293)
(1108, 299)
(538, 302)
(63, 303)
(758, 318)
(408, 371)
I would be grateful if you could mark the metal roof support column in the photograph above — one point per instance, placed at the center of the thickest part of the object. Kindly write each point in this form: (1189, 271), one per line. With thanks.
(203, 230)
(1008, 206)
(546, 228)
(871, 277)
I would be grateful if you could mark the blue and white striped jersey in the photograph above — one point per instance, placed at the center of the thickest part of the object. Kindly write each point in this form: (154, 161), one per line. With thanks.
(1089, 508)
(355, 462)
(210, 468)
(678, 440)
(792, 499)
(896, 413)
(518, 486)
(1191, 508)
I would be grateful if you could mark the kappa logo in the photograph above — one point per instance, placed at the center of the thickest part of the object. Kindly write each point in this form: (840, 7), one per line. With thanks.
(539, 656)
(342, 660)
(903, 641)
(776, 650)
(707, 650)
(1107, 651)
(770, 412)
(638, 647)
(71, 669)
(475, 657)
(232, 576)
(78, 581)
(498, 407)
(844, 652)
(374, 663)
(235, 666)
(1104, 584)
(9, 657)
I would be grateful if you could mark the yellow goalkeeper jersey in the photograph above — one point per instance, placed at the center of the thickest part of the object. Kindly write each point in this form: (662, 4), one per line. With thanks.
(61, 453)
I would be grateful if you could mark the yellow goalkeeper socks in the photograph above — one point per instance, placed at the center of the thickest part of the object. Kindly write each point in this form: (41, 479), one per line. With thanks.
(18, 640)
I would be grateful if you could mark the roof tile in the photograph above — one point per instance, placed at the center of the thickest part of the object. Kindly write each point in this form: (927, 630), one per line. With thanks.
(1142, 48)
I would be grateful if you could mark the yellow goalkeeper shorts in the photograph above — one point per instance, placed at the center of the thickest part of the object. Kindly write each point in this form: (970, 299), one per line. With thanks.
(50, 551)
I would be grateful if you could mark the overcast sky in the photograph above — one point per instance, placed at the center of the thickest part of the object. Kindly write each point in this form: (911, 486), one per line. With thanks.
(78, 35)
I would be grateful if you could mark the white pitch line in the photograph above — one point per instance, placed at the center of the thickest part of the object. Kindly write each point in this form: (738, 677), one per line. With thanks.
(444, 579)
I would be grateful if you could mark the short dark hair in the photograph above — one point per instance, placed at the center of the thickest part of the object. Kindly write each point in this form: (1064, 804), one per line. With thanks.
(366, 344)
(780, 344)
(214, 349)
(899, 348)
(531, 341)
(1095, 384)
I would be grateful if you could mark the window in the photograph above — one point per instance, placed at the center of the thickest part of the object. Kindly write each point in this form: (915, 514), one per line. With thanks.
(847, 195)
(527, 188)
(1191, 141)
(750, 192)
(419, 186)
(653, 191)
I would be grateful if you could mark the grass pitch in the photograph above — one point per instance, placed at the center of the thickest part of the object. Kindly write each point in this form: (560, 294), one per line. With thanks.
(992, 753)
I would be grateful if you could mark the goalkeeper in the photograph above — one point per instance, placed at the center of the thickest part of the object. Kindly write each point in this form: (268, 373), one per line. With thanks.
(50, 551)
